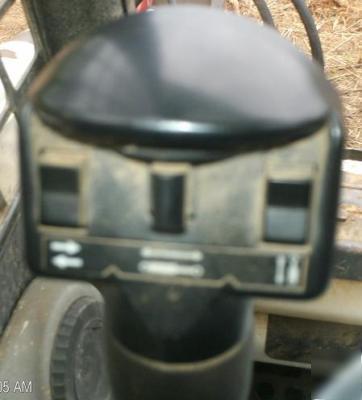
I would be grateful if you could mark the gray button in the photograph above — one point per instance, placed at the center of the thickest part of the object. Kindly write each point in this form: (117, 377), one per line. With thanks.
(287, 212)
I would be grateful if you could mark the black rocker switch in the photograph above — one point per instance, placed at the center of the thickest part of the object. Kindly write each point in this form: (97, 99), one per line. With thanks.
(168, 192)
(59, 196)
(287, 212)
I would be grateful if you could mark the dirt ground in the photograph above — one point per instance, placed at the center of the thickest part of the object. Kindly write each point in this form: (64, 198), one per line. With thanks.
(339, 23)
(340, 26)
(13, 22)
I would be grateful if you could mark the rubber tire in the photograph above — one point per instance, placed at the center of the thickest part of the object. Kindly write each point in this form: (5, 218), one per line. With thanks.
(27, 345)
(78, 368)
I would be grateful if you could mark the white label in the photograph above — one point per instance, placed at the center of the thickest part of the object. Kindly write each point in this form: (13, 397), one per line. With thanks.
(171, 269)
(69, 247)
(183, 255)
(62, 261)
(281, 264)
(287, 270)
(293, 273)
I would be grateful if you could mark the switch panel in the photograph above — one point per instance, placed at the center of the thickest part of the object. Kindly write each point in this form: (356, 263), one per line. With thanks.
(287, 212)
(217, 224)
(60, 196)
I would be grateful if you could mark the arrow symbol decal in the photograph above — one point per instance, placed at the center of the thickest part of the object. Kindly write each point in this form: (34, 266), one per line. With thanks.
(69, 247)
(62, 261)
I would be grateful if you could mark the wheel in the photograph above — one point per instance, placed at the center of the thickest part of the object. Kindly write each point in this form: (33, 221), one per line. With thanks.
(51, 341)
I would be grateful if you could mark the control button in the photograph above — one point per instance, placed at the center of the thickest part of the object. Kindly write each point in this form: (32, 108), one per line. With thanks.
(287, 212)
(60, 196)
(168, 192)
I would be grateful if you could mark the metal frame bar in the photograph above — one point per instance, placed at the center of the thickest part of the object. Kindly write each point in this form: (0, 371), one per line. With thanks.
(4, 6)
(14, 95)
(9, 91)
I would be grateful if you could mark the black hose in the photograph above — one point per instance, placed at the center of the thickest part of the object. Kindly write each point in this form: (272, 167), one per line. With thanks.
(264, 12)
(124, 7)
(311, 29)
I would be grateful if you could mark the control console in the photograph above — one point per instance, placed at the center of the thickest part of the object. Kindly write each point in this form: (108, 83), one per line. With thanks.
(152, 164)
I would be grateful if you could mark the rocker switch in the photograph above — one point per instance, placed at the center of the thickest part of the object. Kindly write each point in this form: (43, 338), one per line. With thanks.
(287, 212)
(168, 198)
(60, 196)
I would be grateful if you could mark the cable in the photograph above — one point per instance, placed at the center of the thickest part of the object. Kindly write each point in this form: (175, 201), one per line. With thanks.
(264, 12)
(311, 29)
(307, 20)
(124, 7)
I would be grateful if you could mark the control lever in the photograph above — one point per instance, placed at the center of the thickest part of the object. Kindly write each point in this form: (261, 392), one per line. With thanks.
(183, 160)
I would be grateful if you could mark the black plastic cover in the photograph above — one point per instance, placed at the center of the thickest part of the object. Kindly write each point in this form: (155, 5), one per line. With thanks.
(156, 80)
